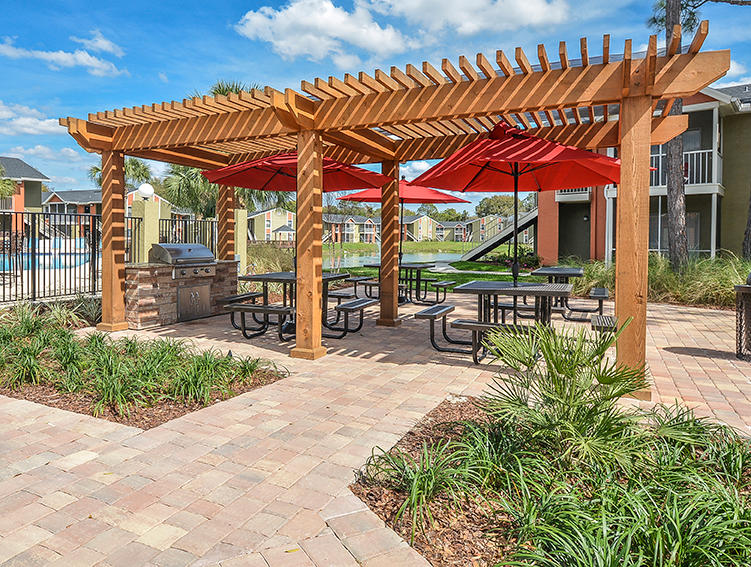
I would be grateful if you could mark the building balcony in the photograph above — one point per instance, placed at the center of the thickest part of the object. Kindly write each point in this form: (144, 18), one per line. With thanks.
(698, 168)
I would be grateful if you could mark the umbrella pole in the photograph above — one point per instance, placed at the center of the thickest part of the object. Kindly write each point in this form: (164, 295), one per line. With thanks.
(515, 265)
(401, 227)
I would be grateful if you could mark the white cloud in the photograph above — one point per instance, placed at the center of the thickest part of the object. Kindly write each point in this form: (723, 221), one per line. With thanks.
(319, 29)
(67, 155)
(64, 180)
(470, 17)
(18, 119)
(412, 169)
(736, 75)
(163, 77)
(99, 43)
(59, 59)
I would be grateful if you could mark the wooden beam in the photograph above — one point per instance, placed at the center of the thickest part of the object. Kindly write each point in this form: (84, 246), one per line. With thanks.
(433, 73)
(484, 65)
(113, 242)
(701, 34)
(605, 134)
(675, 41)
(390, 227)
(309, 246)
(414, 74)
(191, 157)
(626, 71)
(522, 61)
(400, 77)
(542, 55)
(363, 141)
(467, 69)
(91, 137)
(632, 231)
(200, 130)
(225, 224)
(580, 86)
(563, 55)
(584, 51)
(651, 63)
(606, 48)
(504, 64)
(450, 71)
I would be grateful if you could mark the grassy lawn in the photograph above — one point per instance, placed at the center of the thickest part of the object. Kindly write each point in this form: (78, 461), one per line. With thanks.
(459, 278)
(409, 247)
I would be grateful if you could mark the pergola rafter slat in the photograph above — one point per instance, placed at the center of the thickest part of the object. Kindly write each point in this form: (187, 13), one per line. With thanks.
(419, 113)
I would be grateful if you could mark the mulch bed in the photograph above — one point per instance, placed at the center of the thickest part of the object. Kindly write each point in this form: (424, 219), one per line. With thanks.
(470, 535)
(143, 417)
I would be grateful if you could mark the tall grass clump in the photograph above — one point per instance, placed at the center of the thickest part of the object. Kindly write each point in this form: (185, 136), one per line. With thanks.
(702, 281)
(573, 478)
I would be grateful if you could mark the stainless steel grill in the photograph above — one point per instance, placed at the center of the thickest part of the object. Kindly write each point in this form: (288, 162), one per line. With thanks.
(189, 262)
(179, 254)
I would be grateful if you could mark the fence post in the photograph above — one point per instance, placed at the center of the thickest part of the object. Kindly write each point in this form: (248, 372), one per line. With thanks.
(148, 211)
(33, 243)
(241, 238)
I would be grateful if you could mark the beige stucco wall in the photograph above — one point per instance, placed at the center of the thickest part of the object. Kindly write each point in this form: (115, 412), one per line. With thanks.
(736, 177)
(278, 217)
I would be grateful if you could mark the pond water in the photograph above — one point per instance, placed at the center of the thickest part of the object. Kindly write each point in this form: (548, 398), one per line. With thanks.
(352, 260)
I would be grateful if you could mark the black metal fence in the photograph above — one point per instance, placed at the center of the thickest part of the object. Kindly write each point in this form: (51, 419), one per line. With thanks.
(45, 255)
(181, 231)
(50, 255)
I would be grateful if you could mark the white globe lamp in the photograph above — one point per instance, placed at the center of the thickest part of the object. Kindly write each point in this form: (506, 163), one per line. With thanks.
(145, 191)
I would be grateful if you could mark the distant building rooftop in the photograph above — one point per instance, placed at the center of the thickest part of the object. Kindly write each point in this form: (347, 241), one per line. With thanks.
(19, 170)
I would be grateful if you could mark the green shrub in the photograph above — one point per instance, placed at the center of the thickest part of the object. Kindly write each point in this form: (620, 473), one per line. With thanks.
(703, 281)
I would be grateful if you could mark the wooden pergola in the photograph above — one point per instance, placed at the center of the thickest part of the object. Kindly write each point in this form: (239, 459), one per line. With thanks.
(407, 114)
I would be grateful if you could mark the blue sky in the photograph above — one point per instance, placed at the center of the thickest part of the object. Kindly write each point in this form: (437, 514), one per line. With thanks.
(69, 58)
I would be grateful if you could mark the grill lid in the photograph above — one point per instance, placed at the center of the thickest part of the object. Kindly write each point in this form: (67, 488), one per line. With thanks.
(164, 253)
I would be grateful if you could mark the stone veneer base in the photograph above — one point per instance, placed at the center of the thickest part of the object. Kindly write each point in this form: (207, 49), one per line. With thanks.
(151, 293)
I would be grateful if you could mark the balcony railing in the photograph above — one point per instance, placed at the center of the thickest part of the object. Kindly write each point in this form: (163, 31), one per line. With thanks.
(697, 168)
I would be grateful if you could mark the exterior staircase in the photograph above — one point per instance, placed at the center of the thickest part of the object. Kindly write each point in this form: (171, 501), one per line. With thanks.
(504, 234)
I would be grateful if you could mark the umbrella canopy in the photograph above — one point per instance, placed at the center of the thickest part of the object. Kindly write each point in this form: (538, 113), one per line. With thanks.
(410, 194)
(279, 173)
(512, 160)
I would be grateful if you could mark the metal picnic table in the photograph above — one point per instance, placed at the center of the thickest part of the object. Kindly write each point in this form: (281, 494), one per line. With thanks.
(289, 281)
(487, 292)
(559, 274)
(412, 278)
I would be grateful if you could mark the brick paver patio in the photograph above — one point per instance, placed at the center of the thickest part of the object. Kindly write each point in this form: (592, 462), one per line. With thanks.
(261, 479)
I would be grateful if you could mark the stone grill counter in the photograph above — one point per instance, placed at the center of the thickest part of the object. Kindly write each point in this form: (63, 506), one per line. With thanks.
(151, 292)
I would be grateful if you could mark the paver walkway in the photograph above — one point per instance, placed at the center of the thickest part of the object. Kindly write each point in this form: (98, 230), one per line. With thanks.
(261, 479)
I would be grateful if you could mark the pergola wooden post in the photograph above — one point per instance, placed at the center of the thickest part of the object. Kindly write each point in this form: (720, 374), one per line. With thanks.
(113, 242)
(309, 246)
(389, 292)
(415, 114)
(225, 214)
(632, 231)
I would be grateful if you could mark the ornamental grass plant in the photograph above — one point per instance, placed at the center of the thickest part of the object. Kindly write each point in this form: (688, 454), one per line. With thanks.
(572, 477)
(37, 346)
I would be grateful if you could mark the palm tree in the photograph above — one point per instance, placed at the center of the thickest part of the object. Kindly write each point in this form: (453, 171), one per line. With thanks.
(136, 172)
(187, 188)
(7, 186)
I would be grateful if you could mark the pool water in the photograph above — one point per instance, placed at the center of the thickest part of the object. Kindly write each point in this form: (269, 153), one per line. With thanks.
(48, 260)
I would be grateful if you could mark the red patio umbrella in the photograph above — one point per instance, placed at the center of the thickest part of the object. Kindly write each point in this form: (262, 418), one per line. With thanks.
(513, 160)
(412, 194)
(279, 173)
